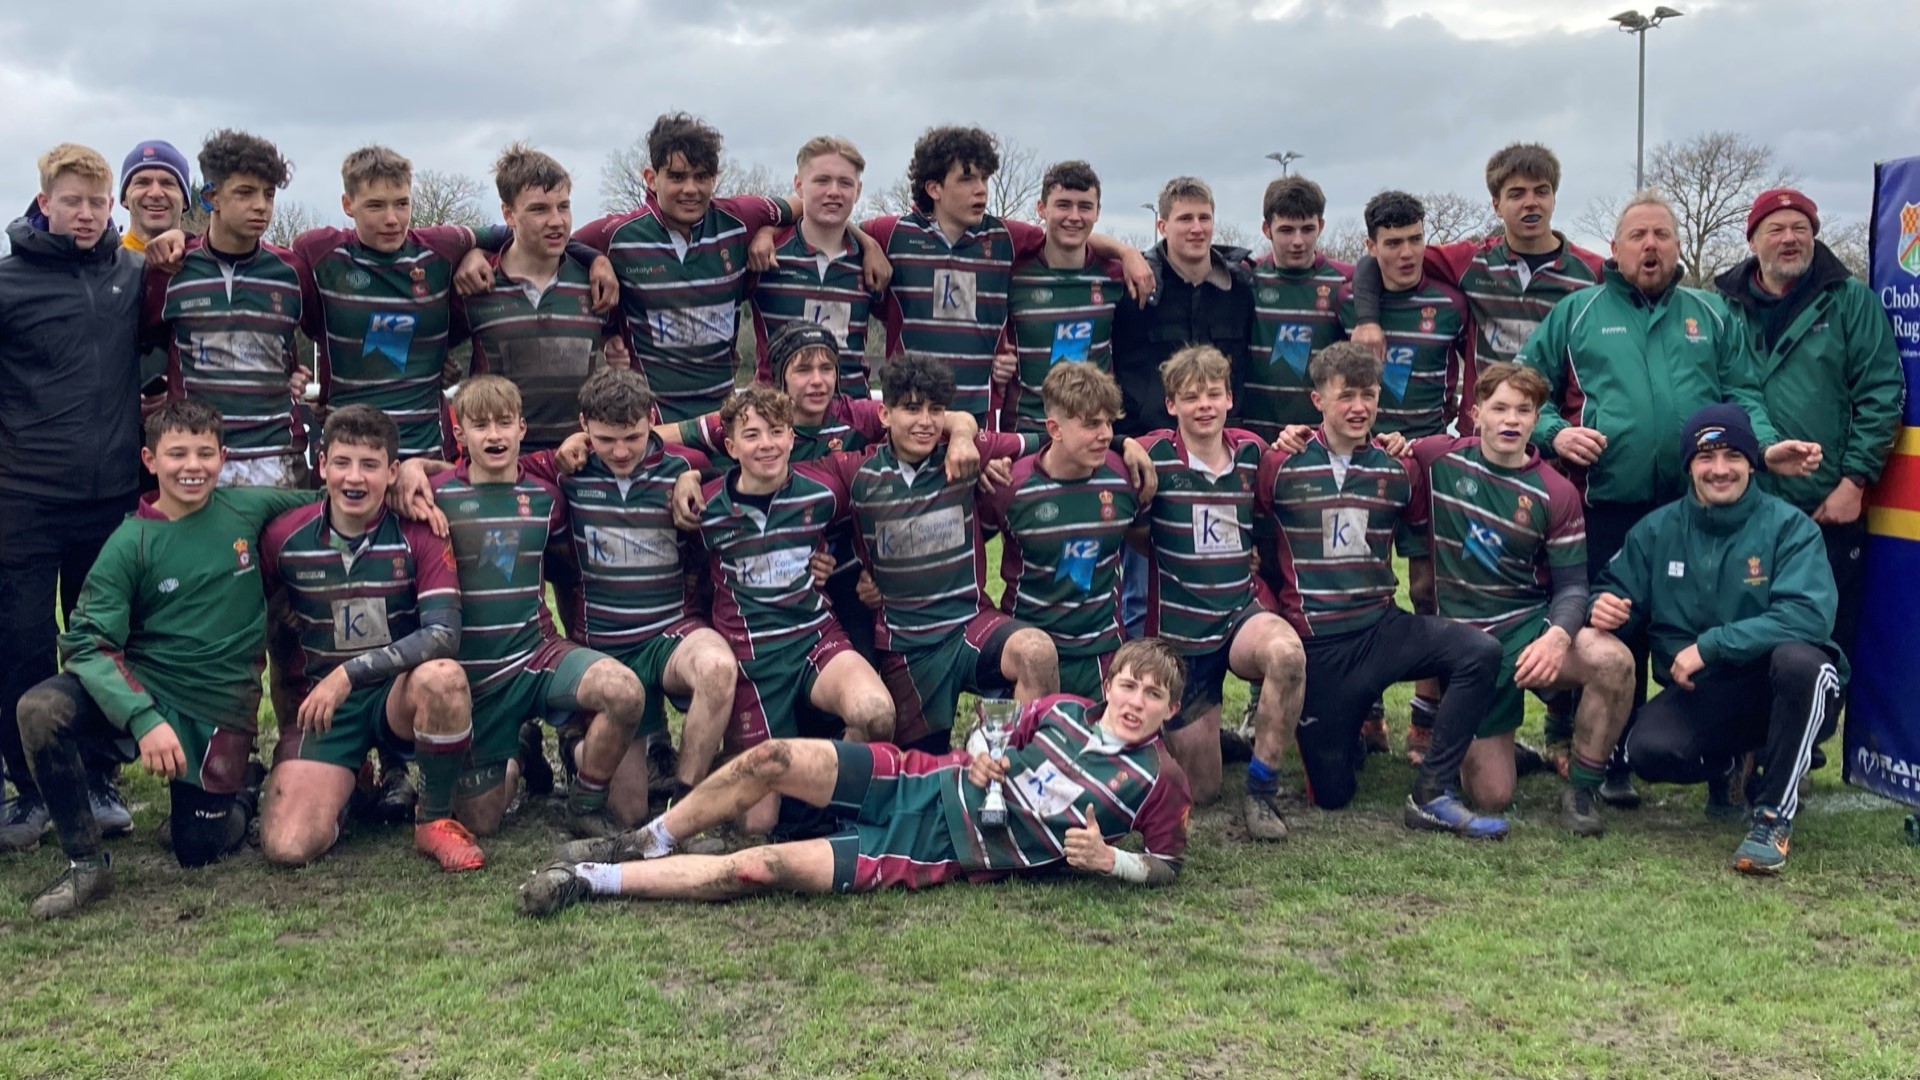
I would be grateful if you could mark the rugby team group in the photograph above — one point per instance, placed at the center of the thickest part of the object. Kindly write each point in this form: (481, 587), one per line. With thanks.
(1195, 460)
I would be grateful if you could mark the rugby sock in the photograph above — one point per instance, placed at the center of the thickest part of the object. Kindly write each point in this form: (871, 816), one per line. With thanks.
(588, 794)
(1422, 710)
(656, 841)
(602, 878)
(441, 758)
(1261, 780)
(1584, 772)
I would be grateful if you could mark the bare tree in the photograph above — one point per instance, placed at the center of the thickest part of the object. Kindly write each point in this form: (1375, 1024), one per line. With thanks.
(1452, 216)
(1848, 241)
(1711, 180)
(1139, 241)
(623, 182)
(1599, 218)
(1014, 191)
(1229, 234)
(896, 198)
(290, 219)
(444, 198)
(1345, 241)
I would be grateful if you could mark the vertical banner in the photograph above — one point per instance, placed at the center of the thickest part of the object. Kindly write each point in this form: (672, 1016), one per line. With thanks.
(1883, 707)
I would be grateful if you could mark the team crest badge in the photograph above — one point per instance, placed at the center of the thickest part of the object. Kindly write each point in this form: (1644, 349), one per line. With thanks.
(1095, 295)
(358, 279)
(1269, 296)
(726, 260)
(834, 443)
(807, 517)
(1380, 489)
(1910, 238)
(1046, 511)
(399, 569)
(1106, 498)
(1320, 301)
(1693, 329)
(526, 505)
(1466, 486)
(1042, 295)
(1753, 565)
(986, 249)
(278, 303)
(419, 277)
(1106, 513)
(241, 554)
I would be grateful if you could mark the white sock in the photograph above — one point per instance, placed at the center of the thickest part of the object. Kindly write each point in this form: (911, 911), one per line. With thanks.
(658, 841)
(603, 878)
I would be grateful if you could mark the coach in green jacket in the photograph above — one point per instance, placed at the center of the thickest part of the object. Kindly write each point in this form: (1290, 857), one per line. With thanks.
(1732, 585)
(1819, 343)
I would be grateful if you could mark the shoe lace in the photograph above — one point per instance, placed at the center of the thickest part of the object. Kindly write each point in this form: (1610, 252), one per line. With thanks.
(1766, 831)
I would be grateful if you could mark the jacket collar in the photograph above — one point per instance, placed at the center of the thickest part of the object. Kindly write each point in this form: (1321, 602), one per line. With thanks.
(1826, 270)
(1723, 520)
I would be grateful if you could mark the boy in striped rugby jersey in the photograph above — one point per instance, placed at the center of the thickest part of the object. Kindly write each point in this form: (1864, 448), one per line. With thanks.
(503, 519)
(683, 259)
(953, 262)
(376, 604)
(229, 314)
(1296, 307)
(633, 599)
(1078, 774)
(1202, 597)
(535, 324)
(816, 273)
(1339, 504)
(1065, 513)
(761, 525)
(1060, 307)
(1509, 548)
(919, 537)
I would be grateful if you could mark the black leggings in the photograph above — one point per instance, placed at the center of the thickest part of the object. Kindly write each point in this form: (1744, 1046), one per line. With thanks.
(61, 725)
(1775, 707)
(1347, 674)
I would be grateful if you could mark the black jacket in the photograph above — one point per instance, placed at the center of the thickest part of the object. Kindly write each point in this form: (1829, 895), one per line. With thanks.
(1177, 315)
(69, 365)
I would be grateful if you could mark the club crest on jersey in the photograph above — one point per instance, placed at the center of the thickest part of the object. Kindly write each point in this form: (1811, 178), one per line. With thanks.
(1269, 296)
(1094, 295)
(1426, 320)
(1693, 329)
(1466, 486)
(241, 554)
(419, 277)
(833, 444)
(399, 569)
(1042, 294)
(1321, 299)
(1755, 576)
(525, 505)
(1046, 511)
(358, 279)
(726, 260)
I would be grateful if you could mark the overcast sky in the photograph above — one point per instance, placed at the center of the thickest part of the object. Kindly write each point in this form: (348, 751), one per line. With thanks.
(1375, 93)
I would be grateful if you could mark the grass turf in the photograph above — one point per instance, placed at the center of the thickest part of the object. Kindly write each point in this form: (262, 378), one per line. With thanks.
(1355, 949)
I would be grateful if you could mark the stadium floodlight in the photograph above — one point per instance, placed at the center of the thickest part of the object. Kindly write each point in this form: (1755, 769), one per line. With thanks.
(1632, 22)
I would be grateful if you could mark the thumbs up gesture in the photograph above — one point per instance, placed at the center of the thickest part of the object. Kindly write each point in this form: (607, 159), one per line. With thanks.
(1086, 848)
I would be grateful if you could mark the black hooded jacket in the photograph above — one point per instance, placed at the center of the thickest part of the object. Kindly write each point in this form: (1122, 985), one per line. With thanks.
(1179, 314)
(69, 365)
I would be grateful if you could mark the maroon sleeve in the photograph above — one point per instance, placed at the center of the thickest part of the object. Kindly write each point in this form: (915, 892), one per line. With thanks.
(695, 457)
(1419, 510)
(434, 568)
(835, 473)
(1268, 479)
(880, 229)
(273, 539)
(999, 444)
(450, 242)
(1028, 240)
(1164, 815)
(1449, 262)
(153, 306)
(1432, 448)
(863, 416)
(598, 233)
(541, 466)
(757, 212)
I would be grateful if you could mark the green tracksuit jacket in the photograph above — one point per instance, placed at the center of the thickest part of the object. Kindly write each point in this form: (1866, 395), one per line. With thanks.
(1832, 376)
(1634, 369)
(1737, 580)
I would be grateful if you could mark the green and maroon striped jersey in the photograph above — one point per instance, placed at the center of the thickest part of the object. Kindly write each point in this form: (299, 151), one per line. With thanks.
(172, 621)
(822, 288)
(1059, 760)
(380, 322)
(543, 339)
(1057, 316)
(632, 578)
(1497, 533)
(230, 325)
(1200, 575)
(352, 596)
(681, 295)
(1428, 332)
(1336, 532)
(763, 593)
(950, 300)
(919, 534)
(1296, 313)
(500, 534)
(1061, 559)
(1505, 295)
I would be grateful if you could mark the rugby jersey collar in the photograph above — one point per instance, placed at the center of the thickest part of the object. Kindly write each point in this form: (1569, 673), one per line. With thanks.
(652, 206)
(656, 453)
(1534, 460)
(792, 237)
(1367, 447)
(974, 234)
(1102, 741)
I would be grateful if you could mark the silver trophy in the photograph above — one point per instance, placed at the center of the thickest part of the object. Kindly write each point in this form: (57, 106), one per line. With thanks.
(996, 719)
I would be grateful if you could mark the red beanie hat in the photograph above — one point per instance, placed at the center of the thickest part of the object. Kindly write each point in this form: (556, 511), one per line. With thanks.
(1781, 199)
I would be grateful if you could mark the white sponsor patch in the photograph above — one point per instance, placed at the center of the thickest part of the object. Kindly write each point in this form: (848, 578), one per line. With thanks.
(775, 569)
(1676, 569)
(953, 295)
(236, 350)
(1343, 533)
(360, 623)
(631, 549)
(707, 324)
(930, 534)
(1508, 335)
(832, 314)
(1045, 792)
(1216, 530)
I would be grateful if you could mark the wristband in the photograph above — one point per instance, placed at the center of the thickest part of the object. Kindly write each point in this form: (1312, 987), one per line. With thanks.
(1128, 867)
